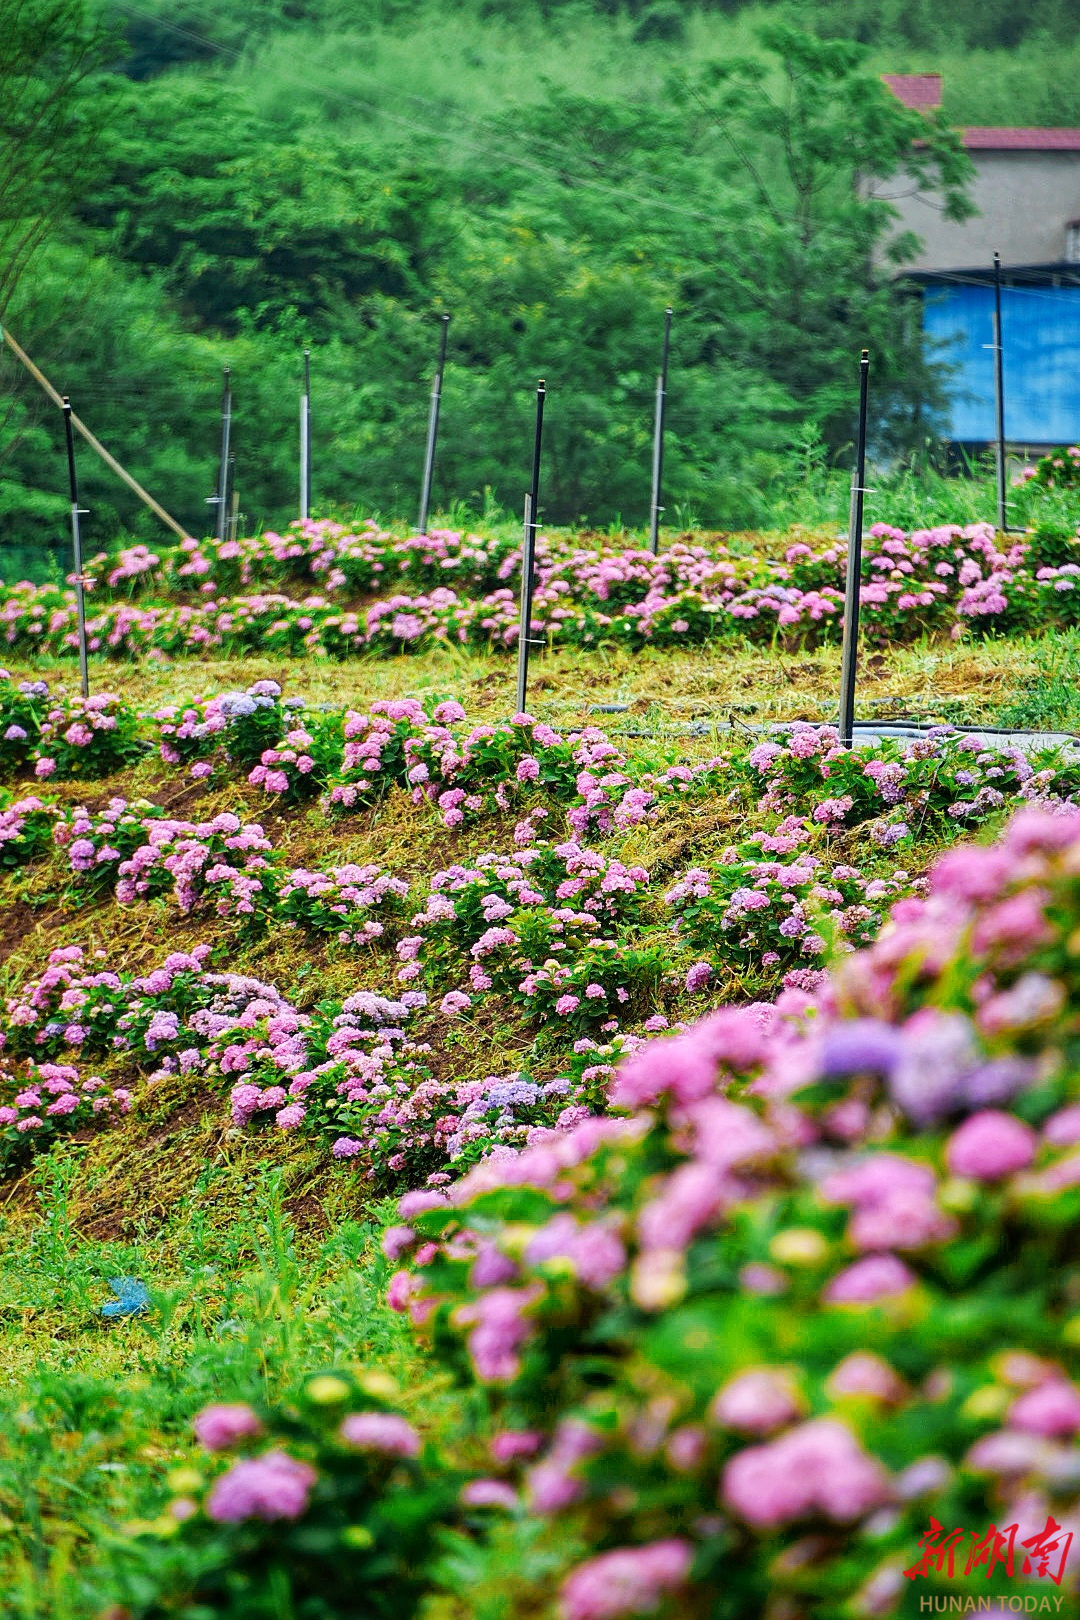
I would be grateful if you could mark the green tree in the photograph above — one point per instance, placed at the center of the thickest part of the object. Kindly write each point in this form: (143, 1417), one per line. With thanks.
(810, 245)
(50, 51)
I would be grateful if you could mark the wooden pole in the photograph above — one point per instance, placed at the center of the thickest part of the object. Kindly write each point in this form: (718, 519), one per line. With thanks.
(95, 444)
(526, 607)
(528, 554)
(225, 464)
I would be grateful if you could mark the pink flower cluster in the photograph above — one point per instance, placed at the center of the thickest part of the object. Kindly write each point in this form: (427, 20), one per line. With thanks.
(352, 902)
(144, 853)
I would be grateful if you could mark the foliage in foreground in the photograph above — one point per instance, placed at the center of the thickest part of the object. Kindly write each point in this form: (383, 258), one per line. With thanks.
(810, 1289)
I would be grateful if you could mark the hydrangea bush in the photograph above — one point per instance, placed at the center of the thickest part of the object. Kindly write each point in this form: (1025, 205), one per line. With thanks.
(814, 1287)
(26, 831)
(539, 927)
(22, 709)
(354, 903)
(328, 1508)
(898, 785)
(87, 737)
(804, 1300)
(774, 916)
(460, 590)
(49, 1100)
(141, 854)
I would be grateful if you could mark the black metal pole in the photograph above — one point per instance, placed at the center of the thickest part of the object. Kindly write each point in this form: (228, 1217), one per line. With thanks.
(999, 398)
(234, 503)
(223, 465)
(525, 612)
(528, 554)
(305, 439)
(76, 545)
(433, 430)
(850, 653)
(658, 440)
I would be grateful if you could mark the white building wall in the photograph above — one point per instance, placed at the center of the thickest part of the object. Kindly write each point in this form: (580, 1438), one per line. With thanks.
(1025, 202)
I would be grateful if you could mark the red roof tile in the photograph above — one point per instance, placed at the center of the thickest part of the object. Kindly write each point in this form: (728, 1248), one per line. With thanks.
(920, 91)
(1021, 140)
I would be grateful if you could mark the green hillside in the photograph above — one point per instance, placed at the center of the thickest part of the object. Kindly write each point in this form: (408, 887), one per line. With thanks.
(251, 179)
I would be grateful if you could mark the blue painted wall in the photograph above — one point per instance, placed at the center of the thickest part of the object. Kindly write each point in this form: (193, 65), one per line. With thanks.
(1041, 343)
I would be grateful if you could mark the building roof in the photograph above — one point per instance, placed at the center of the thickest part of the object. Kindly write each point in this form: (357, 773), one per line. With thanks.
(1064, 274)
(920, 91)
(1021, 140)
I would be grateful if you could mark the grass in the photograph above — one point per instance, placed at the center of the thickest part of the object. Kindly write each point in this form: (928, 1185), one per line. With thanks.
(259, 1253)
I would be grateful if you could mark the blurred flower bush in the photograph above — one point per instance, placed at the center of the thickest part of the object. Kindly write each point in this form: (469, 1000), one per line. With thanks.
(809, 1286)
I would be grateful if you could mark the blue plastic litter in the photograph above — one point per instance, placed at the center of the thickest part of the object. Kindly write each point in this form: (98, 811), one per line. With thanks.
(131, 1299)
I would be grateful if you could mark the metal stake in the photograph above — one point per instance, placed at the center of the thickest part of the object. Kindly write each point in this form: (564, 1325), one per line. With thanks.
(999, 398)
(305, 440)
(223, 465)
(658, 440)
(528, 555)
(850, 653)
(526, 607)
(433, 429)
(76, 546)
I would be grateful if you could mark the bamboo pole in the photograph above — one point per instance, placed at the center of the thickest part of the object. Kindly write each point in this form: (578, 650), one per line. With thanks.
(94, 443)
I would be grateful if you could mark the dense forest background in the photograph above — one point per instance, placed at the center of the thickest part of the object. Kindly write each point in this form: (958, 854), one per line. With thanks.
(224, 182)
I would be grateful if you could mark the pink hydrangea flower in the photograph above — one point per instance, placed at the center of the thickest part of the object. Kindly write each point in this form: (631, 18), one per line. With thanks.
(626, 1581)
(380, 1431)
(818, 1467)
(489, 1493)
(877, 1277)
(863, 1373)
(512, 1443)
(698, 976)
(757, 1401)
(1052, 1410)
(218, 1427)
(274, 1486)
(990, 1145)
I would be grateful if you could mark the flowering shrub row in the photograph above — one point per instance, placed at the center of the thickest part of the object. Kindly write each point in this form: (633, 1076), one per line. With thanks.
(348, 1071)
(896, 786)
(842, 1338)
(943, 578)
(553, 947)
(328, 1510)
(354, 758)
(324, 553)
